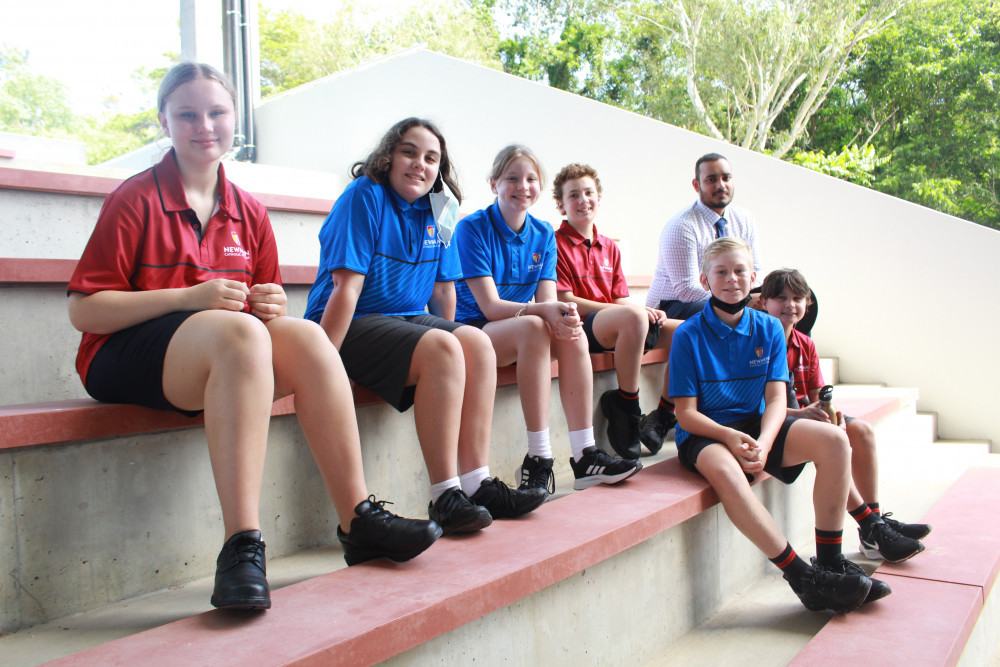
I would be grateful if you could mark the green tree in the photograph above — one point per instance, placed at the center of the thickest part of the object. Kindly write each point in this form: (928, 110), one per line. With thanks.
(32, 103)
(932, 85)
(295, 49)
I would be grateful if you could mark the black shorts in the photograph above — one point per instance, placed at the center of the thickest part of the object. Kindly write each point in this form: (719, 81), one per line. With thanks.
(689, 450)
(128, 368)
(682, 310)
(377, 351)
(652, 336)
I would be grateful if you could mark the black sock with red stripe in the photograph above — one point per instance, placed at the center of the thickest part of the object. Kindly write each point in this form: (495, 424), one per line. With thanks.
(828, 545)
(875, 508)
(666, 405)
(790, 563)
(864, 516)
(629, 401)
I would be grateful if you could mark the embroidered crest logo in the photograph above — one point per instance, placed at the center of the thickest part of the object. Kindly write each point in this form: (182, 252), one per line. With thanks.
(759, 351)
(236, 238)
(607, 262)
(535, 256)
(430, 231)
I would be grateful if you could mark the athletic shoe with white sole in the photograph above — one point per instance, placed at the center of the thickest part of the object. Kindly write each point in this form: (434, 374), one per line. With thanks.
(598, 467)
(536, 473)
(914, 531)
(880, 541)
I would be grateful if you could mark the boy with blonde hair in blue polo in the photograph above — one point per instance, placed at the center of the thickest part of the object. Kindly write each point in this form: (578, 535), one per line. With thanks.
(728, 381)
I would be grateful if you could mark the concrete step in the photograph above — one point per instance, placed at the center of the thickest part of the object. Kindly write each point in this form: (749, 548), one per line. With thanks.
(104, 622)
(765, 625)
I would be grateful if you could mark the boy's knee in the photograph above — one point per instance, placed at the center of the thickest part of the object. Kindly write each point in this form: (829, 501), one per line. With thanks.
(636, 321)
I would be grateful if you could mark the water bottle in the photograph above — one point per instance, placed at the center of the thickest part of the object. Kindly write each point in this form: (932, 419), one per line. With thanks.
(826, 403)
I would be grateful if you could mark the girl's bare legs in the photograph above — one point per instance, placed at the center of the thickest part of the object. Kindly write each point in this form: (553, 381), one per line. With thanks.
(220, 361)
(307, 365)
(438, 371)
(525, 340)
(479, 393)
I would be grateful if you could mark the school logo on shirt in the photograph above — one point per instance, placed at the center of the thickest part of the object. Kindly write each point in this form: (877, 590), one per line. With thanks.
(536, 261)
(606, 265)
(535, 257)
(235, 250)
(432, 240)
(761, 359)
(759, 351)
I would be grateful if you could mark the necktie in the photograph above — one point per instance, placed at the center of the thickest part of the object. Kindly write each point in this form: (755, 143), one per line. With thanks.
(720, 228)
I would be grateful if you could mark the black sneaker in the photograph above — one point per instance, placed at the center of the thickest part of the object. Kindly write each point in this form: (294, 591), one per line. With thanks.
(504, 502)
(820, 588)
(654, 427)
(880, 541)
(879, 588)
(378, 533)
(598, 467)
(914, 531)
(240, 574)
(536, 473)
(455, 513)
(623, 427)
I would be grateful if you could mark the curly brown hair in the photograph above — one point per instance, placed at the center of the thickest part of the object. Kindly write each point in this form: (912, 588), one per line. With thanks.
(571, 171)
(376, 165)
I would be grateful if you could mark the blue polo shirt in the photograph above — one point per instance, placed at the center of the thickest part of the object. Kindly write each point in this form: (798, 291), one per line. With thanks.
(516, 262)
(727, 368)
(373, 231)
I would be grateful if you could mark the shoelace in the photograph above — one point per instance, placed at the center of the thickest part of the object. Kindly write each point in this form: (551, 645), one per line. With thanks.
(378, 512)
(504, 494)
(538, 476)
(887, 532)
(249, 551)
(892, 523)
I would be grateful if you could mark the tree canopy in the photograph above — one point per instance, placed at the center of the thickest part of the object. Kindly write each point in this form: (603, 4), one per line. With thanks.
(897, 95)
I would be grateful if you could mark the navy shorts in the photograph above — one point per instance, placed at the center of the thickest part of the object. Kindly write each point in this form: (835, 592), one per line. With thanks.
(128, 368)
(652, 336)
(377, 351)
(682, 310)
(689, 450)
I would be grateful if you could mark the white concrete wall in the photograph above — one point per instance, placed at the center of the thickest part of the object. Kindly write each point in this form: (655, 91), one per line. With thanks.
(894, 279)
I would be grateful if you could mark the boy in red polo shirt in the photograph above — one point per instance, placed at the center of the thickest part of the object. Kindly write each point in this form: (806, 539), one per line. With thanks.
(785, 295)
(589, 273)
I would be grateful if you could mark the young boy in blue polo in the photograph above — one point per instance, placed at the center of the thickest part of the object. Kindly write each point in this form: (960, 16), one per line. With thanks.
(728, 382)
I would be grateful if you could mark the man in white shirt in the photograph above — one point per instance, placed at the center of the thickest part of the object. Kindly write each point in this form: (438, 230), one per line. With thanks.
(676, 288)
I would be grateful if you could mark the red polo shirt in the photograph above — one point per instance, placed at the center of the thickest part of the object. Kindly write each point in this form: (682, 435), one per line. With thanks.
(593, 271)
(803, 364)
(146, 238)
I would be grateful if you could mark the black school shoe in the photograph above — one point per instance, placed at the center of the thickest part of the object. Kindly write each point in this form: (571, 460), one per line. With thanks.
(623, 427)
(504, 502)
(653, 428)
(240, 574)
(455, 513)
(879, 588)
(378, 533)
(820, 588)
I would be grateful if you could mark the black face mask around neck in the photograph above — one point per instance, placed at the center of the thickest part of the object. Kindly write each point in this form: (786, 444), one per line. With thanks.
(731, 308)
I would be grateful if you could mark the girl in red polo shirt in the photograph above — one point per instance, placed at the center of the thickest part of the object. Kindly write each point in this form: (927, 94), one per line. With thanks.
(179, 299)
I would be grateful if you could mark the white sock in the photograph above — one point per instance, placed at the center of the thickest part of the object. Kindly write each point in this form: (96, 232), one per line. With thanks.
(580, 440)
(539, 445)
(438, 489)
(471, 480)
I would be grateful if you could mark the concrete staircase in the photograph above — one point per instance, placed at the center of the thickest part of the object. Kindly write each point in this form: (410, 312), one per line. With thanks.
(107, 537)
